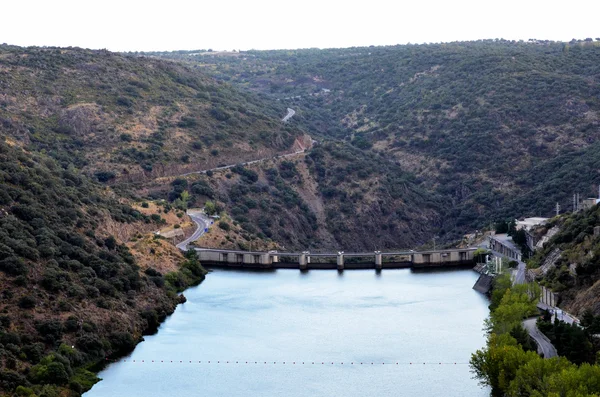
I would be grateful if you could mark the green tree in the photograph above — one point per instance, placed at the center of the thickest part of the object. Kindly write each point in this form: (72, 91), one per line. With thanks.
(497, 364)
(210, 208)
(516, 304)
(532, 377)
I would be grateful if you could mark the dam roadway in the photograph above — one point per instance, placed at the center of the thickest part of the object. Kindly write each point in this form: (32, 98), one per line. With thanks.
(335, 260)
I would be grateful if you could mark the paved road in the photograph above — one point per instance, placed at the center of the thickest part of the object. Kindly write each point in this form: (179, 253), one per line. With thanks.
(225, 167)
(290, 113)
(202, 223)
(544, 345)
(519, 275)
(557, 312)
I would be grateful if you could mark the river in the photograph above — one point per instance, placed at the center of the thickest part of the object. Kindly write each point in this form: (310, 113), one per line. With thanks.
(377, 319)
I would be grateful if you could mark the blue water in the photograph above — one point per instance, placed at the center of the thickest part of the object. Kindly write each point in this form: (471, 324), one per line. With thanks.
(322, 317)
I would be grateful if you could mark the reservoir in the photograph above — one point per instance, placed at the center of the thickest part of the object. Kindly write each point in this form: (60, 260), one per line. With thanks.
(361, 316)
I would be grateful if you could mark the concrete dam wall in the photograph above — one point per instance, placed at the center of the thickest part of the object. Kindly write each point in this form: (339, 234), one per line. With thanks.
(336, 260)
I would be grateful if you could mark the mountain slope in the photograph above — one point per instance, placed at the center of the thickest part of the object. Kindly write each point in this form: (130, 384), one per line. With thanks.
(576, 273)
(71, 294)
(476, 122)
(132, 117)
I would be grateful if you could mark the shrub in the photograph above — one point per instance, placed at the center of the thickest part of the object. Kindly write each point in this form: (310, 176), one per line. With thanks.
(55, 280)
(121, 342)
(4, 322)
(90, 344)
(104, 176)
(224, 225)
(152, 320)
(156, 218)
(34, 352)
(110, 242)
(124, 101)
(51, 330)
(24, 391)
(84, 378)
(27, 302)
(54, 373)
(71, 324)
(13, 266)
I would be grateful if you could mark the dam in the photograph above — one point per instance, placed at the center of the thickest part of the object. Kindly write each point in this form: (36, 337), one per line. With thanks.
(340, 260)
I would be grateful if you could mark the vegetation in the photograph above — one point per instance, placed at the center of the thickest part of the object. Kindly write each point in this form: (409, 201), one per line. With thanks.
(570, 341)
(576, 273)
(63, 279)
(126, 119)
(495, 127)
(507, 365)
(413, 142)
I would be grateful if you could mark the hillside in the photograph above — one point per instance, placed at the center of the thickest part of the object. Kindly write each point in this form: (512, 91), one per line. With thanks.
(576, 273)
(72, 293)
(483, 124)
(410, 143)
(132, 118)
(334, 196)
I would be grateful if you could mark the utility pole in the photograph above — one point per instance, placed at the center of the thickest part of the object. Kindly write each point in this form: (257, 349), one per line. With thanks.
(557, 209)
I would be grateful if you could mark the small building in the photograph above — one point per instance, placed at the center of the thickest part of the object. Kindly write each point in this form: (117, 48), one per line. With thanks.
(528, 225)
(588, 203)
(504, 245)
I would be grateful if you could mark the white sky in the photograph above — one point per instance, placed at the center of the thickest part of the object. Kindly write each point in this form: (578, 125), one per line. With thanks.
(129, 25)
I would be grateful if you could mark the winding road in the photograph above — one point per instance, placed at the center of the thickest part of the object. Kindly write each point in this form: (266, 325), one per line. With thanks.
(226, 167)
(545, 347)
(202, 222)
(290, 113)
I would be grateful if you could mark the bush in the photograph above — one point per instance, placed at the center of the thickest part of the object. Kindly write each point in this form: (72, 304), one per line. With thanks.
(24, 391)
(110, 242)
(27, 302)
(51, 373)
(51, 331)
(90, 344)
(121, 342)
(124, 101)
(104, 176)
(10, 380)
(55, 280)
(84, 378)
(71, 324)
(34, 352)
(4, 322)
(152, 320)
(224, 225)
(13, 266)
(156, 218)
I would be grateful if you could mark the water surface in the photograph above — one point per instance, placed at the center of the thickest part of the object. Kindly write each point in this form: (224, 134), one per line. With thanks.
(395, 316)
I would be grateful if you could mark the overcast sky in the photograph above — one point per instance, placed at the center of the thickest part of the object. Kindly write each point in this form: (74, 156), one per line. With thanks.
(129, 25)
